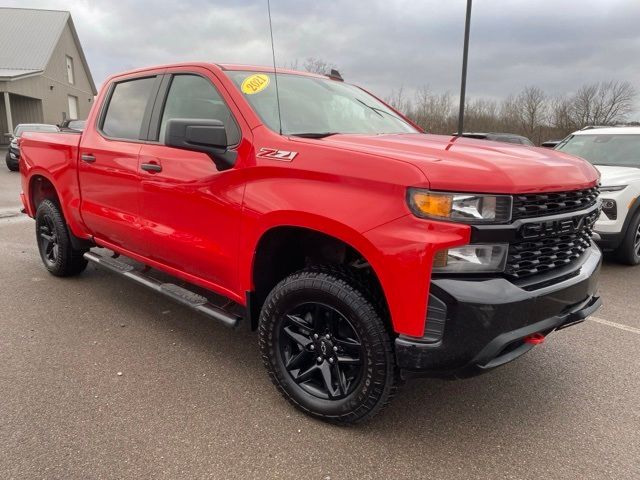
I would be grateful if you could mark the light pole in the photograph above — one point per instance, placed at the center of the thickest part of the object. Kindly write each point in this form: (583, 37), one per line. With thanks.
(465, 55)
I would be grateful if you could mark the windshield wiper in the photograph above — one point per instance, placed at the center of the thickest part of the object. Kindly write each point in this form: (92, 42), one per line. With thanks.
(313, 134)
(380, 111)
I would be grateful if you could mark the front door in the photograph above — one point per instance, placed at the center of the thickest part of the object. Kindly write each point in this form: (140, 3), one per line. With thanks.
(190, 210)
(108, 166)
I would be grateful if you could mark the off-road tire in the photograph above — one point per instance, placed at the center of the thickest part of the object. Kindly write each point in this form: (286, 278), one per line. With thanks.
(338, 289)
(629, 250)
(57, 253)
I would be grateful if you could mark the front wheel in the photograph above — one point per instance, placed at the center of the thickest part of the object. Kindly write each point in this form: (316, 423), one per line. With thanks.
(11, 163)
(629, 251)
(54, 243)
(326, 348)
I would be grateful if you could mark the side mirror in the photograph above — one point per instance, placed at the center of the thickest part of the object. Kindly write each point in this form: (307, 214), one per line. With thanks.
(207, 136)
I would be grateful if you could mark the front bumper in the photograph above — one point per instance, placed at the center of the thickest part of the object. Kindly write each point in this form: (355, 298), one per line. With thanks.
(489, 321)
(10, 161)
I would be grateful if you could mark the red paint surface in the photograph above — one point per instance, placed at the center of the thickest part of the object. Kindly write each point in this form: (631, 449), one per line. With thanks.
(203, 225)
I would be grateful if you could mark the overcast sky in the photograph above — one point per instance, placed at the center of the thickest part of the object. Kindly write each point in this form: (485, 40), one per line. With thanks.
(380, 44)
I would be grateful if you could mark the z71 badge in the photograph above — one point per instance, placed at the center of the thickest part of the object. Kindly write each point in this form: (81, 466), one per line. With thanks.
(272, 153)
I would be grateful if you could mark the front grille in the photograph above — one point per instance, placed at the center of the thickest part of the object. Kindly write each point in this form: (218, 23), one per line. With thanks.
(544, 204)
(530, 257)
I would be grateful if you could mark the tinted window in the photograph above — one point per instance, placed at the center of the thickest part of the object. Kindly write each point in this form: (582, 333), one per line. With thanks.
(192, 96)
(126, 108)
(316, 105)
(616, 149)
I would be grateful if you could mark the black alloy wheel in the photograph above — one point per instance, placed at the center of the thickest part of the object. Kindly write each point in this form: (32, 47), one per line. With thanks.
(321, 351)
(54, 242)
(326, 346)
(48, 241)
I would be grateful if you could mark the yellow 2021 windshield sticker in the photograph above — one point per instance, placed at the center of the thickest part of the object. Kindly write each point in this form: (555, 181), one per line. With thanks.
(254, 83)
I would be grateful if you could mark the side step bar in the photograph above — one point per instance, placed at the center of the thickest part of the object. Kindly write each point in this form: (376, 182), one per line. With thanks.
(175, 292)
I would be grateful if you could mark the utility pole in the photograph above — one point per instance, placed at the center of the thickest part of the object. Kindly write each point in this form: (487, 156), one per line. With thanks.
(465, 55)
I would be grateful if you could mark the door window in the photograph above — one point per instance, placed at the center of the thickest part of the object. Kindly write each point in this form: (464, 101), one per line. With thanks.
(126, 109)
(194, 97)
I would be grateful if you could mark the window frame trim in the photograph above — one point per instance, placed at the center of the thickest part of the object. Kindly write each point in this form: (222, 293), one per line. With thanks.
(161, 100)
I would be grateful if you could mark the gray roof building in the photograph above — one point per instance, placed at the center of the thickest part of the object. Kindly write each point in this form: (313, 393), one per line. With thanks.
(44, 75)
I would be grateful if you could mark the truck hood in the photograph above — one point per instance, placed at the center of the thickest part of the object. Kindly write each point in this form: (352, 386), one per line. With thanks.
(612, 176)
(469, 165)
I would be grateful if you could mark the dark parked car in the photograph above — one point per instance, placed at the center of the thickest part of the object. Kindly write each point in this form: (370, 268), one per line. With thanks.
(13, 154)
(550, 143)
(500, 137)
(72, 125)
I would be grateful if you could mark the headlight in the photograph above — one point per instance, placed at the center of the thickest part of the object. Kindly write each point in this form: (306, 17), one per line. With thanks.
(613, 188)
(460, 207)
(480, 258)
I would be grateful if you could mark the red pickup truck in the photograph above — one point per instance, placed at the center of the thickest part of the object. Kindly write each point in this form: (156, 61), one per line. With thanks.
(363, 250)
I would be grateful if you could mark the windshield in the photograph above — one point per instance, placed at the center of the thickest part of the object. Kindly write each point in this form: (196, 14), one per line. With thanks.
(314, 106)
(617, 149)
(20, 129)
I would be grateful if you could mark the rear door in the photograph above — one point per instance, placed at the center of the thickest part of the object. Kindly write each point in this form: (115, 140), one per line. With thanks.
(190, 210)
(108, 166)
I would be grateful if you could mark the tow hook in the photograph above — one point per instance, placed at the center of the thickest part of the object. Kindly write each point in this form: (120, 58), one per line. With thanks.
(535, 339)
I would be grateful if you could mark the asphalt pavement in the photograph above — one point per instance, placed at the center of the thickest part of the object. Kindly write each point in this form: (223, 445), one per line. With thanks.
(102, 379)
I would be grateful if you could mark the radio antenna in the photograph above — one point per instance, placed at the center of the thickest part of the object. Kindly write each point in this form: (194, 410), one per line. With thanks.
(275, 73)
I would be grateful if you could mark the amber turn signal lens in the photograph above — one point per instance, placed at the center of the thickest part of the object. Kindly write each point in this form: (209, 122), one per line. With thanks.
(432, 204)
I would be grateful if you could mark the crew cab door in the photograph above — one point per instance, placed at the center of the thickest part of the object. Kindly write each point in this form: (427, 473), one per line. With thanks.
(190, 209)
(108, 166)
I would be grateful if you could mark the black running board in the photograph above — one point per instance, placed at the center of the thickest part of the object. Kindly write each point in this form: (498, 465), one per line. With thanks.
(181, 295)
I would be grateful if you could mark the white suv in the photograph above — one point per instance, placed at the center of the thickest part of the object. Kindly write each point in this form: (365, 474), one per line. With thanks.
(615, 152)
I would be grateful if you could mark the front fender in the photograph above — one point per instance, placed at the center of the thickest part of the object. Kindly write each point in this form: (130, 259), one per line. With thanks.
(404, 257)
(288, 218)
(400, 253)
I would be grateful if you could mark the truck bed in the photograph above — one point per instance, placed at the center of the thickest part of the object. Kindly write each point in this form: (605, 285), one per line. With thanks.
(51, 159)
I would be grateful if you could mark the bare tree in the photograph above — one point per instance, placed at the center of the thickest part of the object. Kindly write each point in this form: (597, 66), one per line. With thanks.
(561, 116)
(603, 103)
(398, 100)
(433, 112)
(532, 106)
(318, 65)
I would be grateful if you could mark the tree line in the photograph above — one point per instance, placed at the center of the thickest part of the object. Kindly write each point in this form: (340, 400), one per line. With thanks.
(531, 112)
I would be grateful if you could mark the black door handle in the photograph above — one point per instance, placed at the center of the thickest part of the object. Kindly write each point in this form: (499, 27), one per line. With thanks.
(151, 167)
(87, 157)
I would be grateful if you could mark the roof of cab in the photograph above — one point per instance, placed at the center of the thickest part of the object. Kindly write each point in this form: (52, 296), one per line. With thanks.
(220, 66)
(266, 69)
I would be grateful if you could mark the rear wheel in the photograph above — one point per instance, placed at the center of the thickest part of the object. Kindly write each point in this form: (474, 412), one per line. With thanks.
(326, 348)
(54, 243)
(629, 251)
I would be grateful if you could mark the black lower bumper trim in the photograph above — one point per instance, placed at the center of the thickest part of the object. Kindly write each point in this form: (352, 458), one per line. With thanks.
(609, 241)
(489, 321)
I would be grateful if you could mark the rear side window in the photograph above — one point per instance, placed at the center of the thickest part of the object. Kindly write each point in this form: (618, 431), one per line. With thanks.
(195, 97)
(127, 105)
